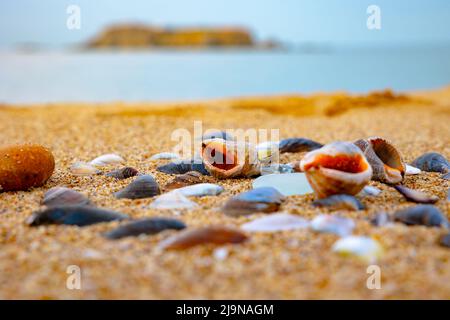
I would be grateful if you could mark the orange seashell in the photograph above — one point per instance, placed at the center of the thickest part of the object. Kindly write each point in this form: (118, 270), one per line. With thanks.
(337, 168)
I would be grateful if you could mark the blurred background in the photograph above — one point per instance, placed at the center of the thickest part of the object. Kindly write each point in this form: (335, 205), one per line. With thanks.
(173, 50)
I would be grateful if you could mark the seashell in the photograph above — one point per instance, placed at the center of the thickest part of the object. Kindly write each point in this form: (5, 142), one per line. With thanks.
(339, 202)
(186, 179)
(381, 219)
(287, 184)
(147, 226)
(386, 162)
(74, 215)
(337, 168)
(143, 187)
(370, 191)
(106, 160)
(123, 173)
(333, 224)
(184, 166)
(207, 235)
(276, 222)
(165, 156)
(298, 145)
(173, 200)
(424, 214)
(264, 199)
(446, 176)
(415, 195)
(83, 169)
(25, 166)
(60, 196)
(201, 189)
(217, 134)
(227, 159)
(445, 240)
(432, 162)
(364, 248)
(411, 171)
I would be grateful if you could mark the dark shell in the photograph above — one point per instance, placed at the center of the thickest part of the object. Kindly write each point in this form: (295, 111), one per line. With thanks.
(264, 199)
(445, 240)
(212, 235)
(339, 201)
(298, 145)
(432, 162)
(143, 187)
(217, 135)
(424, 214)
(381, 219)
(415, 195)
(145, 226)
(60, 196)
(182, 167)
(123, 173)
(187, 179)
(74, 215)
(446, 176)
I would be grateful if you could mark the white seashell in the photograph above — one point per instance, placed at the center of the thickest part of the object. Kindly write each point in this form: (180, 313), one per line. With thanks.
(165, 156)
(340, 226)
(364, 248)
(370, 191)
(173, 200)
(107, 159)
(83, 169)
(410, 170)
(276, 222)
(201, 189)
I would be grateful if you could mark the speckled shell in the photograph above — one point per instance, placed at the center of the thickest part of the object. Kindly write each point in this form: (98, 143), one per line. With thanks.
(337, 168)
(25, 166)
(385, 160)
(239, 159)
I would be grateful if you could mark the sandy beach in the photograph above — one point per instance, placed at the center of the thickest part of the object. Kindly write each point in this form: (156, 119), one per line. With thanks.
(283, 265)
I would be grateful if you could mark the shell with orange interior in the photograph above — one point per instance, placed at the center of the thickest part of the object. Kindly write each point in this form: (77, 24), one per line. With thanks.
(229, 159)
(384, 158)
(336, 168)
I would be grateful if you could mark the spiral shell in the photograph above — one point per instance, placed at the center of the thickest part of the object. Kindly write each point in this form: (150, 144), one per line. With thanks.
(337, 168)
(384, 158)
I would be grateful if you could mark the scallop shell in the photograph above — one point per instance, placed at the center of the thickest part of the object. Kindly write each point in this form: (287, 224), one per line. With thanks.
(107, 159)
(58, 196)
(123, 173)
(298, 145)
(384, 158)
(83, 169)
(432, 162)
(227, 159)
(145, 226)
(143, 187)
(337, 168)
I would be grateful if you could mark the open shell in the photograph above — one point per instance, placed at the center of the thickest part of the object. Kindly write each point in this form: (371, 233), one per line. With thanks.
(337, 168)
(384, 158)
(228, 159)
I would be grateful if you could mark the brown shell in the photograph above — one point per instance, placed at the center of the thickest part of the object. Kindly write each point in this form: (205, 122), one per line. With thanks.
(25, 166)
(183, 180)
(386, 162)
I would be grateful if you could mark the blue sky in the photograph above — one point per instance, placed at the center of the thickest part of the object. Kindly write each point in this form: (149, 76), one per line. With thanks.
(321, 21)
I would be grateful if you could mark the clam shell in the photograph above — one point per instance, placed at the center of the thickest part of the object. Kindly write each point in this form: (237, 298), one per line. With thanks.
(59, 196)
(264, 199)
(276, 222)
(123, 173)
(432, 162)
(217, 235)
(339, 202)
(364, 248)
(424, 214)
(298, 145)
(337, 168)
(386, 162)
(165, 156)
(340, 226)
(227, 159)
(415, 195)
(143, 187)
(106, 160)
(74, 215)
(83, 169)
(186, 179)
(201, 189)
(173, 200)
(147, 226)
(181, 167)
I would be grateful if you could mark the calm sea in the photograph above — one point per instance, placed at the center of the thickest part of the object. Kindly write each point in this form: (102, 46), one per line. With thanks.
(172, 76)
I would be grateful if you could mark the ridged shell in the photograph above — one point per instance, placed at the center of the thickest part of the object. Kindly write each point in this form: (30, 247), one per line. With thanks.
(337, 168)
(432, 162)
(298, 145)
(123, 173)
(385, 160)
(228, 159)
(106, 160)
(59, 196)
(143, 187)
(147, 226)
